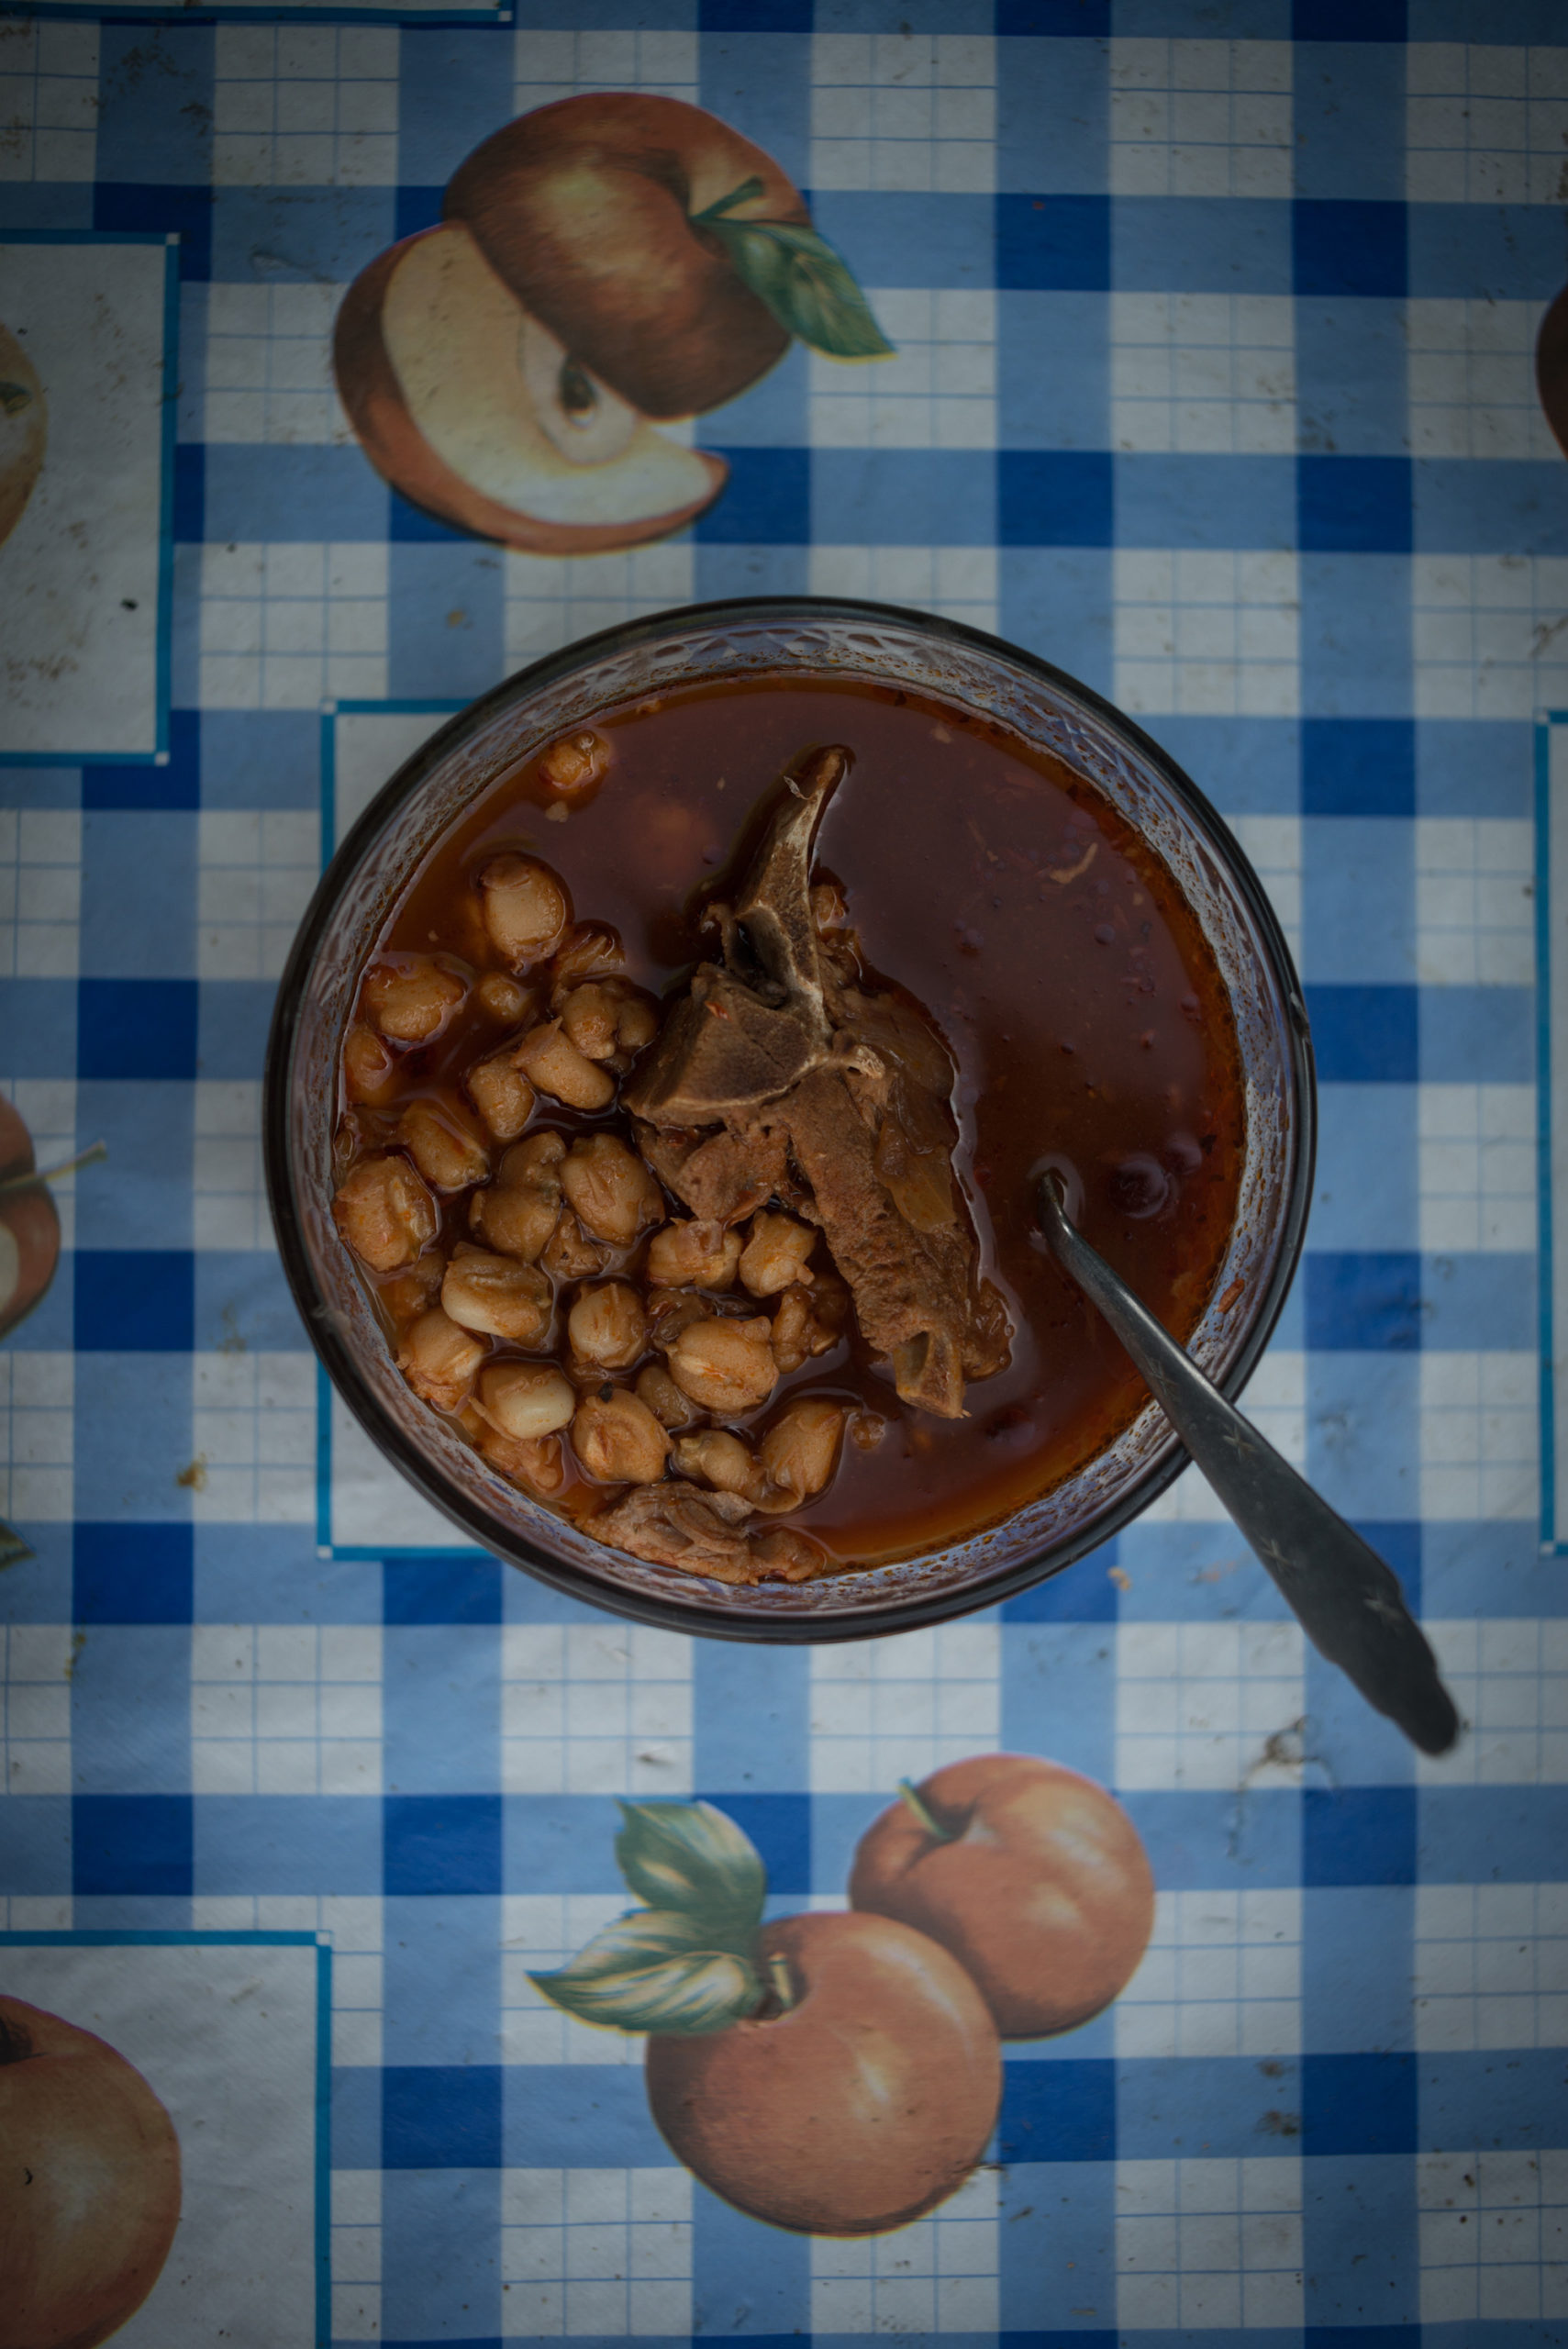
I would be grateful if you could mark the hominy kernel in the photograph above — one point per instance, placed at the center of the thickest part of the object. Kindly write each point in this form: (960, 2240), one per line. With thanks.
(801, 1449)
(438, 1360)
(575, 764)
(607, 1326)
(497, 1295)
(775, 1254)
(502, 1095)
(525, 908)
(727, 1366)
(384, 1213)
(615, 1196)
(412, 1000)
(716, 1457)
(548, 1057)
(447, 1156)
(618, 1440)
(699, 1253)
(663, 1397)
(370, 1066)
(502, 998)
(569, 1254)
(526, 1400)
(513, 1218)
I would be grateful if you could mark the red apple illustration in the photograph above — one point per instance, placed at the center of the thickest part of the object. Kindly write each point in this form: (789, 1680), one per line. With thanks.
(1551, 368)
(833, 2073)
(89, 2184)
(603, 261)
(29, 1223)
(23, 430)
(859, 2106)
(1034, 1877)
(469, 407)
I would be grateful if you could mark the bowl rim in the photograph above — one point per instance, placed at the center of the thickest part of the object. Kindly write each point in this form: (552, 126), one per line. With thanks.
(336, 1357)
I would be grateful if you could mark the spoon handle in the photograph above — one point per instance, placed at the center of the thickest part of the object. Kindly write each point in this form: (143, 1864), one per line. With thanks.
(1347, 1602)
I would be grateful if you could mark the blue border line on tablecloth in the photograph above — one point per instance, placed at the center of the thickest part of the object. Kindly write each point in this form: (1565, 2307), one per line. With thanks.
(1551, 1545)
(148, 12)
(130, 1939)
(163, 652)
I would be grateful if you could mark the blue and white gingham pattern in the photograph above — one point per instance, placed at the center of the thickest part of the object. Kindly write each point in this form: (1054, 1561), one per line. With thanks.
(1214, 387)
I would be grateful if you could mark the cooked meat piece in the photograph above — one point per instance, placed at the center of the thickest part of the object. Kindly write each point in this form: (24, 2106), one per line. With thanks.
(676, 1525)
(721, 1177)
(774, 1046)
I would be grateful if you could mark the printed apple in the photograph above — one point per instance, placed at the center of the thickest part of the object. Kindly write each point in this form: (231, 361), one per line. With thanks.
(23, 430)
(592, 211)
(1033, 1876)
(859, 2106)
(30, 1225)
(1551, 368)
(474, 411)
(89, 2184)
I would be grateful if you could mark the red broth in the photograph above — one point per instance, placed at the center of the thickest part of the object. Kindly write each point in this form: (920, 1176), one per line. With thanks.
(1071, 980)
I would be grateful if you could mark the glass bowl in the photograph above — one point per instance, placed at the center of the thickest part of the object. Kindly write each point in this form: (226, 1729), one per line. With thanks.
(807, 635)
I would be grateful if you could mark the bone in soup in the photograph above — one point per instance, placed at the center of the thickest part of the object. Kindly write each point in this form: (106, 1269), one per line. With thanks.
(694, 1099)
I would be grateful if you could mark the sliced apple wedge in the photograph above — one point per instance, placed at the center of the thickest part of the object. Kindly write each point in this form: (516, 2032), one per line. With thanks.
(474, 410)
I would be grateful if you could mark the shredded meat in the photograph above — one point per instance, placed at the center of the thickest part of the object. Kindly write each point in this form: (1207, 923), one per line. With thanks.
(777, 1076)
(677, 1524)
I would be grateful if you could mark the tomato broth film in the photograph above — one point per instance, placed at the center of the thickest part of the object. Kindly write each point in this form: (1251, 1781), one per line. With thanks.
(694, 1100)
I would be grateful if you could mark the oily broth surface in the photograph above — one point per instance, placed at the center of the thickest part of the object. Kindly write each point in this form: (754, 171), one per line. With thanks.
(1075, 992)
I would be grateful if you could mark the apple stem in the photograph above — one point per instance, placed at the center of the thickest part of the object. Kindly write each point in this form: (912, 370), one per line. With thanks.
(907, 1794)
(40, 1175)
(779, 1976)
(741, 194)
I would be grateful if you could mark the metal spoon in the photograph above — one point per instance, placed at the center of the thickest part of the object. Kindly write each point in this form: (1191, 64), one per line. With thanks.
(1347, 1601)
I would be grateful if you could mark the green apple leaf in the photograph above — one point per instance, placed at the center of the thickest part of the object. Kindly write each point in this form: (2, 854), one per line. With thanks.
(689, 1859)
(805, 283)
(655, 1970)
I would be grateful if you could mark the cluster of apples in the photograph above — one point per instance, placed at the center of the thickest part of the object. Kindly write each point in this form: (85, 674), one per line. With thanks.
(839, 2073)
(604, 264)
(89, 2184)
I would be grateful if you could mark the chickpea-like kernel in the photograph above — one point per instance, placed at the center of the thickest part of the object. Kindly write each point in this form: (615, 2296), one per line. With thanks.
(670, 1310)
(536, 1160)
(384, 1213)
(591, 950)
(497, 1295)
(535, 1464)
(615, 1196)
(548, 1057)
(607, 1326)
(502, 1095)
(575, 764)
(663, 1397)
(513, 1218)
(500, 998)
(414, 1290)
(370, 1068)
(412, 1001)
(618, 1440)
(716, 1457)
(800, 1450)
(570, 1254)
(525, 907)
(526, 1400)
(447, 1156)
(785, 1554)
(808, 1322)
(699, 1253)
(438, 1360)
(727, 1366)
(775, 1254)
(606, 1018)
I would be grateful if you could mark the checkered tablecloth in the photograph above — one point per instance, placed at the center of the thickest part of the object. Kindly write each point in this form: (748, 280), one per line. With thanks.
(1213, 385)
